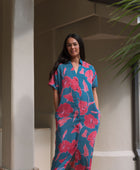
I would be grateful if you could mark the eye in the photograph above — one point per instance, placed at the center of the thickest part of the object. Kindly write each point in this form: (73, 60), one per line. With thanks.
(68, 45)
(75, 44)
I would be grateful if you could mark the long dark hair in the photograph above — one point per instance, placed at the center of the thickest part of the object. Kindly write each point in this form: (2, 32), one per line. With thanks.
(64, 56)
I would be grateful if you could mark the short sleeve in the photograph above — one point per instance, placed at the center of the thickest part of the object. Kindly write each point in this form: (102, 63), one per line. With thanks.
(94, 79)
(54, 81)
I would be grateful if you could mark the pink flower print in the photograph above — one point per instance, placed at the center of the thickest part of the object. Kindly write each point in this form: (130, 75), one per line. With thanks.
(84, 134)
(75, 85)
(64, 134)
(94, 76)
(99, 116)
(80, 167)
(94, 112)
(64, 71)
(64, 110)
(75, 114)
(82, 71)
(91, 138)
(76, 129)
(72, 164)
(83, 107)
(61, 122)
(66, 82)
(73, 146)
(72, 69)
(80, 125)
(56, 73)
(64, 146)
(85, 64)
(77, 155)
(90, 103)
(62, 160)
(69, 97)
(89, 75)
(86, 153)
(90, 121)
(52, 82)
(85, 86)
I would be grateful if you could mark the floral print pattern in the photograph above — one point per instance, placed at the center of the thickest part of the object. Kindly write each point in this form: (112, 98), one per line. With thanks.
(77, 118)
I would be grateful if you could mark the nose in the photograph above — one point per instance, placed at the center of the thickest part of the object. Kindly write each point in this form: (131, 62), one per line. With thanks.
(72, 46)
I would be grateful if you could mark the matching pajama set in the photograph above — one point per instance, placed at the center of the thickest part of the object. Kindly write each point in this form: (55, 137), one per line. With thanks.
(77, 117)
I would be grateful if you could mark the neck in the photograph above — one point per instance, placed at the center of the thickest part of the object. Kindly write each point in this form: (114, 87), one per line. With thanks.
(75, 60)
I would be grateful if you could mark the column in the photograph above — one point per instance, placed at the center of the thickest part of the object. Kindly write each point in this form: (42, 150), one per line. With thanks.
(18, 86)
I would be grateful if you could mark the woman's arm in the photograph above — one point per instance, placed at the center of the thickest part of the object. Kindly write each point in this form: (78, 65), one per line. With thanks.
(55, 98)
(95, 97)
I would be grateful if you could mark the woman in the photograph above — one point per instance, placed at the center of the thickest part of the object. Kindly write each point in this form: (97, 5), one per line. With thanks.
(74, 83)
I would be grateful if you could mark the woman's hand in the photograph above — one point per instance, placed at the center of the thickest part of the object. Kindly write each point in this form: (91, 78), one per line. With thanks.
(56, 98)
(95, 97)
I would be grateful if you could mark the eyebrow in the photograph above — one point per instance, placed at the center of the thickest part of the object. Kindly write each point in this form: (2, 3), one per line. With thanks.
(72, 43)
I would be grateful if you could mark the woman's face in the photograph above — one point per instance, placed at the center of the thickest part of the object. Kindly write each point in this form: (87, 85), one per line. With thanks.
(73, 47)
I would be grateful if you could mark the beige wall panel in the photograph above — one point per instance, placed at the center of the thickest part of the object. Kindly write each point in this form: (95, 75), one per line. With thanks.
(50, 14)
(107, 11)
(114, 98)
(43, 93)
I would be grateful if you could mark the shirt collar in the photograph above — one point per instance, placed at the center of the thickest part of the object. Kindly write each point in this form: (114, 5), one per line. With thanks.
(80, 61)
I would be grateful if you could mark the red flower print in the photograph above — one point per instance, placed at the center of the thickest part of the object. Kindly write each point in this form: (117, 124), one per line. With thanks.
(94, 112)
(75, 114)
(64, 146)
(52, 82)
(76, 129)
(85, 86)
(82, 71)
(91, 138)
(66, 82)
(64, 134)
(86, 153)
(83, 107)
(99, 116)
(77, 155)
(69, 97)
(90, 103)
(64, 71)
(62, 160)
(80, 167)
(75, 85)
(64, 110)
(72, 163)
(89, 75)
(56, 73)
(90, 121)
(85, 64)
(84, 134)
(61, 122)
(80, 125)
(73, 146)
(72, 69)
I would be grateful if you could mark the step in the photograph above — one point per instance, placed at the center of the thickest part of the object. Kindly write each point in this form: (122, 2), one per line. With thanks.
(42, 148)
